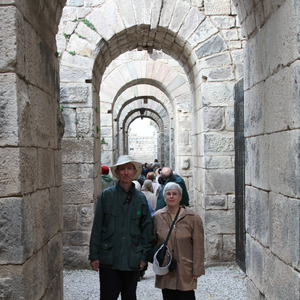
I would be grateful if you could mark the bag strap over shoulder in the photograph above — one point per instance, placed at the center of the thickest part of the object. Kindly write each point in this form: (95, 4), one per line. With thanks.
(170, 231)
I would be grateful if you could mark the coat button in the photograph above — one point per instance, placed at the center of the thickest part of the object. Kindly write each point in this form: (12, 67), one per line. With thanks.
(123, 238)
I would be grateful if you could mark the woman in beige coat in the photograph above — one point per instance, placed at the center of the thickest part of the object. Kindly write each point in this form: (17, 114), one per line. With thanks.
(186, 245)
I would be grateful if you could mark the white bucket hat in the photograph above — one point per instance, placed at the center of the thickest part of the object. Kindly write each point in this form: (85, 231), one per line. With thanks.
(161, 270)
(124, 159)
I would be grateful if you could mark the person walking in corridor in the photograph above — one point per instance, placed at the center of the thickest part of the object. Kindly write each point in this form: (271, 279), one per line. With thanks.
(167, 175)
(122, 233)
(106, 179)
(156, 185)
(147, 190)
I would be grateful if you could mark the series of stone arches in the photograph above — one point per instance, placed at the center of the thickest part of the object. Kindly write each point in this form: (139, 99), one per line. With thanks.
(44, 221)
(129, 83)
(204, 48)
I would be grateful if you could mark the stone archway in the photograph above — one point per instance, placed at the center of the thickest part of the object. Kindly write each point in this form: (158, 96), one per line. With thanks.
(147, 147)
(209, 49)
(140, 75)
(154, 110)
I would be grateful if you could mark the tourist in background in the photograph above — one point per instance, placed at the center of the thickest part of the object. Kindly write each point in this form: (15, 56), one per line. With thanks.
(141, 179)
(147, 189)
(156, 185)
(186, 245)
(122, 233)
(157, 174)
(167, 175)
(155, 164)
(139, 188)
(146, 169)
(137, 185)
(106, 179)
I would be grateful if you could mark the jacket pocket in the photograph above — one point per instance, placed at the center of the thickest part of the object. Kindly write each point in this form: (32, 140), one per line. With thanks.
(187, 265)
(135, 228)
(106, 254)
(135, 256)
(186, 260)
(108, 226)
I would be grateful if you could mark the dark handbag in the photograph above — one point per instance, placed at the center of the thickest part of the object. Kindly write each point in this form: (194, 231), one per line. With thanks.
(173, 265)
(160, 256)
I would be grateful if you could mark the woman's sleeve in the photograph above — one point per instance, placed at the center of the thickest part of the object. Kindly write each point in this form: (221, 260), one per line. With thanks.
(198, 247)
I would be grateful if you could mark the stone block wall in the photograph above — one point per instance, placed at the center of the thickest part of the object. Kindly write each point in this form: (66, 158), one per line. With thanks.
(220, 57)
(81, 149)
(142, 148)
(205, 37)
(272, 130)
(80, 171)
(31, 129)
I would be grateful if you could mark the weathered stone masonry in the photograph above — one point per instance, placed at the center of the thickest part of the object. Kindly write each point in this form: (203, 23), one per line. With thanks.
(186, 58)
(208, 47)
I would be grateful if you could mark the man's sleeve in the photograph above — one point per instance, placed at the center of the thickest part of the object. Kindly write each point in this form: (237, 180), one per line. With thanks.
(95, 239)
(147, 231)
(160, 200)
(185, 196)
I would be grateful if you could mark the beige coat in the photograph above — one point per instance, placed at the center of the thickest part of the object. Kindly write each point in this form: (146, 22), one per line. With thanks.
(186, 244)
(151, 198)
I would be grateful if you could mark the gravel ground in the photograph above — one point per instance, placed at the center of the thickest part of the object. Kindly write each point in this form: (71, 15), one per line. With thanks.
(218, 283)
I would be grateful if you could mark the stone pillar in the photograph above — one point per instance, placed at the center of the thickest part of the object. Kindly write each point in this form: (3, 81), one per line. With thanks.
(219, 57)
(81, 169)
(272, 131)
(31, 128)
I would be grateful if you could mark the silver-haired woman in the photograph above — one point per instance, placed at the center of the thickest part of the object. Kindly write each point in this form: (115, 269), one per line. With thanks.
(186, 245)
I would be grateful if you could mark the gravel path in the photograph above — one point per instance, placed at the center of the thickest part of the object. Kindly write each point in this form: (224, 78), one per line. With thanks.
(218, 283)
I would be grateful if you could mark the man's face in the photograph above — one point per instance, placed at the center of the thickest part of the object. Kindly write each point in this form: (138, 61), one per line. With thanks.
(126, 173)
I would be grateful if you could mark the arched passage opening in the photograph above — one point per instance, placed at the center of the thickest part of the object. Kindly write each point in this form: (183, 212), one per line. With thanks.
(199, 92)
(163, 125)
(143, 139)
(126, 81)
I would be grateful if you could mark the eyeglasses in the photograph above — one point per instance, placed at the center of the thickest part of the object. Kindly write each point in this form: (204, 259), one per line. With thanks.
(169, 194)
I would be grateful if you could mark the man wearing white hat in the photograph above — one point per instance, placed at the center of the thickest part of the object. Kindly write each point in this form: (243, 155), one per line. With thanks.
(122, 233)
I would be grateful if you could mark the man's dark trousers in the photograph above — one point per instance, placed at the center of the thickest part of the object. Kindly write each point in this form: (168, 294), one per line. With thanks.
(114, 282)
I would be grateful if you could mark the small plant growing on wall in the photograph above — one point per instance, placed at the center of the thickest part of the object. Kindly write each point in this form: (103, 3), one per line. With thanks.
(67, 36)
(80, 36)
(87, 23)
(103, 141)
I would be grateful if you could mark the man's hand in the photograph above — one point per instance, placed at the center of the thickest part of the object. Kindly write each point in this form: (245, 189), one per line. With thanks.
(142, 265)
(95, 264)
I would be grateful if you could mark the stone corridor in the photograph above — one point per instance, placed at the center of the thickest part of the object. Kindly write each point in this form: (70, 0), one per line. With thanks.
(221, 80)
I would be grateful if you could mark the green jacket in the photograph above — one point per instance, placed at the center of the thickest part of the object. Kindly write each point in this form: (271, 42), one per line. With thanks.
(122, 231)
(185, 196)
(107, 181)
